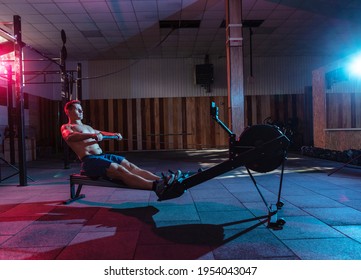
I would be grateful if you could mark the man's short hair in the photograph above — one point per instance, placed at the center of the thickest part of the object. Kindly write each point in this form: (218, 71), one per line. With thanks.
(69, 105)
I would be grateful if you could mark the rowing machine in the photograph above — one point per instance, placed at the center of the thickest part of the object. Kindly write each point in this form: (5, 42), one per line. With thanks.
(260, 148)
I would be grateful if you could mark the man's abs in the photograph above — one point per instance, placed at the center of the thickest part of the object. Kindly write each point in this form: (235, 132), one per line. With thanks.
(83, 149)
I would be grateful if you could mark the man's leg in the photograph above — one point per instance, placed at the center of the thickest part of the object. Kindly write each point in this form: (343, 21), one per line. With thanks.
(133, 180)
(132, 176)
(132, 168)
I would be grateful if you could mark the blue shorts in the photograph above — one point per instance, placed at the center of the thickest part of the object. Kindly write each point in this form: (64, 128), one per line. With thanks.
(97, 165)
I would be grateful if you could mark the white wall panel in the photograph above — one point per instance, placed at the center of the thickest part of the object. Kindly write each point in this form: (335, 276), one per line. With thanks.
(174, 77)
(280, 75)
(151, 78)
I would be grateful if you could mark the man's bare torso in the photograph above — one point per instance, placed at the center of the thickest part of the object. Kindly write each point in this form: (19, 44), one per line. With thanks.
(84, 147)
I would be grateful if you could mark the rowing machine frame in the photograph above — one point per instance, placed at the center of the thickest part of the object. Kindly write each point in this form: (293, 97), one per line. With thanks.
(237, 159)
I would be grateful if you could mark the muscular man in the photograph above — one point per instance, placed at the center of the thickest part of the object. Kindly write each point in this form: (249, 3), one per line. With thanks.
(83, 140)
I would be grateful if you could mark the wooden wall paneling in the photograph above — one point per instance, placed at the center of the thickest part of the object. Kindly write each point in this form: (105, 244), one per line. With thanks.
(137, 123)
(105, 123)
(334, 112)
(146, 118)
(255, 109)
(347, 110)
(198, 124)
(248, 110)
(279, 107)
(219, 134)
(307, 122)
(205, 121)
(155, 120)
(223, 115)
(297, 103)
(191, 122)
(176, 123)
(43, 113)
(43, 124)
(261, 107)
(184, 122)
(98, 114)
(55, 124)
(42, 127)
(279, 112)
(85, 106)
(102, 116)
(129, 120)
(260, 104)
(48, 125)
(128, 138)
(119, 124)
(273, 111)
(213, 127)
(92, 113)
(170, 123)
(33, 112)
(272, 107)
(151, 134)
(165, 120)
(328, 111)
(111, 115)
(353, 110)
(299, 113)
(267, 108)
(252, 108)
(180, 122)
(292, 110)
(116, 122)
(358, 110)
(161, 124)
(286, 104)
(224, 136)
(340, 112)
(60, 114)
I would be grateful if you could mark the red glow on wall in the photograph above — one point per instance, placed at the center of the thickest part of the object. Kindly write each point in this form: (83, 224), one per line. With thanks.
(5, 61)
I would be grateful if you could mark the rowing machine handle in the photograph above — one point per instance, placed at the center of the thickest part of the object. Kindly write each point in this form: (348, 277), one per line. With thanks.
(214, 110)
(214, 114)
(107, 137)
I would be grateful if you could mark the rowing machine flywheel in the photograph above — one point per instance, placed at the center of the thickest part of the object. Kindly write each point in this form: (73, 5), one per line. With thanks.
(271, 144)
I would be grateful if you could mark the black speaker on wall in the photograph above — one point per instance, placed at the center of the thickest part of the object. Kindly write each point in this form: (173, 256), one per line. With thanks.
(204, 74)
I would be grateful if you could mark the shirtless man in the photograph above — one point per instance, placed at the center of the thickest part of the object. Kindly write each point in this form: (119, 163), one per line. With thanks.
(83, 140)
